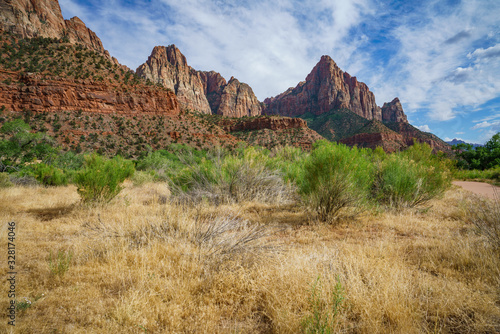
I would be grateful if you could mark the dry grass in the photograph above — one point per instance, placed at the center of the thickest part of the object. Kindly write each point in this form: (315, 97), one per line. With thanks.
(142, 265)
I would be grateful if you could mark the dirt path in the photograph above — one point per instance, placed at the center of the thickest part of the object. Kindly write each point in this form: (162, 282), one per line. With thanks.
(479, 188)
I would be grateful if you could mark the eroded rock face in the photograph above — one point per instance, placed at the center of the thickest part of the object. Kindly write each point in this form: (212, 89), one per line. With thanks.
(393, 112)
(168, 66)
(238, 100)
(58, 94)
(327, 87)
(43, 18)
(205, 92)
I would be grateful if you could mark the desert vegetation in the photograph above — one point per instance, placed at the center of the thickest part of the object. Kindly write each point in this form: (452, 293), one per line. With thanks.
(479, 163)
(246, 240)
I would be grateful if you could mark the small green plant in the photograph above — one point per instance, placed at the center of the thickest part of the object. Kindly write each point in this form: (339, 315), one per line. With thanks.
(323, 315)
(23, 305)
(59, 264)
(100, 179)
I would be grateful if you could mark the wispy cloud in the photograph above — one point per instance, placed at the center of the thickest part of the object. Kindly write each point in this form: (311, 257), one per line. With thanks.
(424, 128)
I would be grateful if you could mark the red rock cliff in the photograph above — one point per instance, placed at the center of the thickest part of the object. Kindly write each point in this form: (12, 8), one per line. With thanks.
(206, 92)
(168, 66)
(57, 94)
(43, 18)
(327, 87)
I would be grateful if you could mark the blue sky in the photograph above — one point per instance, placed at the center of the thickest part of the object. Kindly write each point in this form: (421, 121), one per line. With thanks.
(441, 57)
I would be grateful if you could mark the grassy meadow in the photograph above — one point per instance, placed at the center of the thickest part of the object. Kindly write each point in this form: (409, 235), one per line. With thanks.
(145, 263)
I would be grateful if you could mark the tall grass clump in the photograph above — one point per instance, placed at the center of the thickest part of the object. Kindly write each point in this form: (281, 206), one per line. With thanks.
(5, 180)
(485, 215)
(100, 178)
(411, 178)
(322, 317)
(336, 180)
(232, 178)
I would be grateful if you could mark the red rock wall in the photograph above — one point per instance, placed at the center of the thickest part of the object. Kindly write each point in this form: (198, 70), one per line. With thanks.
(205, 92)
(62, 95)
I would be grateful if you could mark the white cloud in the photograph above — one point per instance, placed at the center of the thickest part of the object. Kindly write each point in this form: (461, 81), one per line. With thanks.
(486, 124)
(440, 58)
(491, 52)
(424, 128)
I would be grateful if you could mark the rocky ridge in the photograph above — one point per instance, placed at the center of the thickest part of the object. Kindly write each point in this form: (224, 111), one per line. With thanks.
(43, 18)
(327, 87)
(204, 92)
(38, 94)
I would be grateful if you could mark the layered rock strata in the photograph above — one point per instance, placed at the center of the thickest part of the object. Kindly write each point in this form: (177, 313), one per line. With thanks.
(205, 92)
(58, 94)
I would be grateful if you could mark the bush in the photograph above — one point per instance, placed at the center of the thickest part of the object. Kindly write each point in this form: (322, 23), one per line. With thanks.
(232, 179)
(100, 179)
(335, 178)
(47, 175)
(5, 180)
(411, 178)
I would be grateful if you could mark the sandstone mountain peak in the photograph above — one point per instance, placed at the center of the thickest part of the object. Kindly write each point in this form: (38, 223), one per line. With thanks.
(43, 18)
(205, 92)
(327, 87)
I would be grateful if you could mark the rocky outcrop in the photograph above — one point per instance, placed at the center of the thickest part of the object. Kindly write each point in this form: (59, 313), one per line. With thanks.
(43, 18)
(238, 100)
(393, 112)
(259, 123)
(57, 94)
(213, 85)
(411, 133)
(400, 136)
(205, 92)
(327, 87)
(168, 66)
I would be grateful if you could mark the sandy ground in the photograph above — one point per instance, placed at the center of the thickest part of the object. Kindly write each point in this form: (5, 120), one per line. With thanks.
(479, 188)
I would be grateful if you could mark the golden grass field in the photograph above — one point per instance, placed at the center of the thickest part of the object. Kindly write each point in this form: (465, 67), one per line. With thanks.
(143, 265)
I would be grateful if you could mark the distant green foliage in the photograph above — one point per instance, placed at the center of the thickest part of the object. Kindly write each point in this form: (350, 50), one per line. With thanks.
(484, 157)
(335, 178)
(99, 180)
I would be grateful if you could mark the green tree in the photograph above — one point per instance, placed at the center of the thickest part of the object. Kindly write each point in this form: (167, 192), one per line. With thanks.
(21, 146)
(485, 157)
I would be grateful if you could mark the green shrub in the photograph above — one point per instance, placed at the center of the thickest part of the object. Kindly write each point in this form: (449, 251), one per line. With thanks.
(46, 175)
(5, 180)
(335, 178)
(411, 178)
(100, 179)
